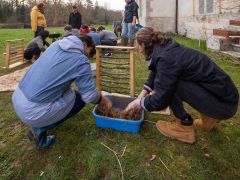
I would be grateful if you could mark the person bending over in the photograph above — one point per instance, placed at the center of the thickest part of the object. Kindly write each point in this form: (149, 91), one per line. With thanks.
(179, 74)
(44, 98)
(107, 37)
(36, 46)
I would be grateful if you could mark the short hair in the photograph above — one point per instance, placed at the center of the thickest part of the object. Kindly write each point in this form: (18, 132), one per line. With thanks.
(44, 34)
(100, 28)
(93, 29)
(40, 5)
(84, 27)
(74, 7)
(68, 27)
(89, 41)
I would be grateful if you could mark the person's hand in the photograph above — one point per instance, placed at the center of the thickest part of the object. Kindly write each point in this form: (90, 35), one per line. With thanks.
(133, 24)
(136, 104)
(105, 102)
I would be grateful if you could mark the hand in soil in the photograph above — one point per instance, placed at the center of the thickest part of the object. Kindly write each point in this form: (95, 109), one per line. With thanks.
(105, 104)
(133, 106)
(134, 114)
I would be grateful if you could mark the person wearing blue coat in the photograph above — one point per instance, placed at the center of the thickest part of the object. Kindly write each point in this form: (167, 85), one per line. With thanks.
(180, 74)
(44, 97)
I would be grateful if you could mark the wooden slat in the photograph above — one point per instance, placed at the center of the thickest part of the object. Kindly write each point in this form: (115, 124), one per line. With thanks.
(114, 82)
(116, 63)
(132, 73)
(7, 58)
(114, 47)
(14, 40)
(22, 50)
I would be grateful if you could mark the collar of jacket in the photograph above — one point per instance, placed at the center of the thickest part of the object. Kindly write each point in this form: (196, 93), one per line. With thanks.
(159, 51)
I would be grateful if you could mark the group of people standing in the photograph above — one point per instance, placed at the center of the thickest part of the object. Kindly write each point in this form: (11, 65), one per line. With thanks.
(44, 97)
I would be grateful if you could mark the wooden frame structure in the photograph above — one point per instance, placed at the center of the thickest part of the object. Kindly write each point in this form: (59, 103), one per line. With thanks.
(14, 55)
(115, 74)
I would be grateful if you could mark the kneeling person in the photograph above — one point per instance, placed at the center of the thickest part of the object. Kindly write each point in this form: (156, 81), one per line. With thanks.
(36, 46)
(44, 98)
(107, 37)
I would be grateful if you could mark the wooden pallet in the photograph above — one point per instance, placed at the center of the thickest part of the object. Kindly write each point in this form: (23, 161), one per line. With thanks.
(14, 54)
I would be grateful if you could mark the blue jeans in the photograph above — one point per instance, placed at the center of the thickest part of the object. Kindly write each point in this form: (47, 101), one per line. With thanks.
(78, 105)
(128, 31)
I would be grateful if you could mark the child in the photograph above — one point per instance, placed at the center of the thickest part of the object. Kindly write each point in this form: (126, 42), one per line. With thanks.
(36, 46)
(107, 37)
(179, 74)
(84, 29)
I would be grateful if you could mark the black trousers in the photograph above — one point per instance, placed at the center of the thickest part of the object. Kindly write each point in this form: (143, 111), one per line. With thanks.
(109, 42)
(28, 54)
(39, 29)
(201, 100)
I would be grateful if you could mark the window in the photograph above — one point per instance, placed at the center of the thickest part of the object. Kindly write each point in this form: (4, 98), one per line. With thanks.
(206, 6)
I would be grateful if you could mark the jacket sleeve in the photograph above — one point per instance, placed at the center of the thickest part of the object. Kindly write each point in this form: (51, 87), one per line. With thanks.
(164, 85)
(86, 86)
(34, 21)
(135, 9)
(69, 19)
(149, 84)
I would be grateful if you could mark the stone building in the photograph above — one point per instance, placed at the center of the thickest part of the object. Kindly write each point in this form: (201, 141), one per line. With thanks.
(211, 20)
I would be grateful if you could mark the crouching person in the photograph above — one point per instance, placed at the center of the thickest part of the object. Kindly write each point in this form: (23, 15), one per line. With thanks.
(179, 74)
(44, 98)
(36, 46)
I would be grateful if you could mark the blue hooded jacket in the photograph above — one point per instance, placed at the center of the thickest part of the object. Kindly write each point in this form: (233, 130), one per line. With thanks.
(44, 95)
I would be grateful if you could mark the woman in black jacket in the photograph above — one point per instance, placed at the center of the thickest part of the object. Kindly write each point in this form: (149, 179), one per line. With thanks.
(179, 74)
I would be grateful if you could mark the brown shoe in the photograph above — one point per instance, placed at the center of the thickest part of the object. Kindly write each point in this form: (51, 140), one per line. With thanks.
(176, 131)
(205, 122)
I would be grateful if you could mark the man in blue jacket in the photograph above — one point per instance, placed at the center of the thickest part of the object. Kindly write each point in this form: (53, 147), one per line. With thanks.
(129, 22)
(44, 98)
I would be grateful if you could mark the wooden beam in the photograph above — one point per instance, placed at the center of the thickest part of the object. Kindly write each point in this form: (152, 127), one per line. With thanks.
(22, 50)
(114, 47)
(98, 71)
(132, 73)
(7, 57)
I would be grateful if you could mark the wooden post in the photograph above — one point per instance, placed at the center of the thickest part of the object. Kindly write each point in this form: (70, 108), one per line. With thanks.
(22, 50)
(132, 73)
(7, 59)
(98, 71)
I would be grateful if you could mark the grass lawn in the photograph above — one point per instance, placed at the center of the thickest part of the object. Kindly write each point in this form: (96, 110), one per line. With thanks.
(78, 153)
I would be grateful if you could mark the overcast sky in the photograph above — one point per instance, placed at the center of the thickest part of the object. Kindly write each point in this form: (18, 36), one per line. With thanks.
(113, 4)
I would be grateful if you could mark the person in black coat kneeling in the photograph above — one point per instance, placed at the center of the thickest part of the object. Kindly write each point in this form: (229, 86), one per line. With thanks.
(179, 74)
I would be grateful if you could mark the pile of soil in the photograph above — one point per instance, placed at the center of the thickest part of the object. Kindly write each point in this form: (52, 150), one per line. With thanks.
(119, 113)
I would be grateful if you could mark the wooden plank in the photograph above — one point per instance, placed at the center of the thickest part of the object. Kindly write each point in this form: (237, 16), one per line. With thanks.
(22, 50)
(98, 71)
(14, 40)
(7, 57)
(114, 47)
(132, 73)
(15, 65)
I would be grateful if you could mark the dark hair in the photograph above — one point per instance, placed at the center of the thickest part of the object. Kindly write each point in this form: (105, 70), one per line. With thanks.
(93, 29)
(44, 34)
(74, 7)
(40, 5)
(100, 28)
(68, 28)
(84, 26)
(90, 43)
(147, 37)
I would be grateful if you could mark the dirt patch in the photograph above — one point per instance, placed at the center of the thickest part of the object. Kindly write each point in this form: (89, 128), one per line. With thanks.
(79, 168)
(10, 81)
(119, 113)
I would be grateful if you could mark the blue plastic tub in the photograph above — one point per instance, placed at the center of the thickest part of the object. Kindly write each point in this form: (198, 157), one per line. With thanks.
(132, 126)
